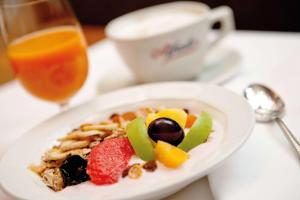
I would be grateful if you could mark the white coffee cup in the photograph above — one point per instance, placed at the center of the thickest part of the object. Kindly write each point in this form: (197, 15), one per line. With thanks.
(168, 41)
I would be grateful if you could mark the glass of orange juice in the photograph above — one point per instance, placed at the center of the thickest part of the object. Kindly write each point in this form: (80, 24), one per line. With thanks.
(45, 46)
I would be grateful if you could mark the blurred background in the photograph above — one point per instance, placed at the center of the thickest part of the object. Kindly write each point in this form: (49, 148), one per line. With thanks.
(262, 15)
(267, 15)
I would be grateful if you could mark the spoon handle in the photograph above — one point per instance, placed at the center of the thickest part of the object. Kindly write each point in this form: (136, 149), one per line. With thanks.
(290, 137)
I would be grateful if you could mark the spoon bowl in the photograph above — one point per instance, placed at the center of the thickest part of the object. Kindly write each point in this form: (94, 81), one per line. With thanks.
(266, 103)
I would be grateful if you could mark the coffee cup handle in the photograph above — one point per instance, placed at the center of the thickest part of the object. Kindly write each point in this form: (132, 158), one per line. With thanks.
(224, 15)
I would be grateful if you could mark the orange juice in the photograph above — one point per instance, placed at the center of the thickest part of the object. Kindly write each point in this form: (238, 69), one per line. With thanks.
(51, 64)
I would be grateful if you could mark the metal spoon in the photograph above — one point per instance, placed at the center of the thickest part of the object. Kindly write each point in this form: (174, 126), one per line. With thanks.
(268, 106)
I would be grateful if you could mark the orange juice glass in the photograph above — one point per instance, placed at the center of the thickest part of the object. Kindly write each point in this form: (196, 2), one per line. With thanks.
(45, 46)
(51, 64)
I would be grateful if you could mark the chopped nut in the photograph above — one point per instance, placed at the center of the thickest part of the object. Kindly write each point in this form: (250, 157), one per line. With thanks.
(114, 115)
(53, 163)
(107, 133)
(186, 110)
(125, 172)
(75, 129)
(135, 171)
(147, 110)
(150, 166)
(53, 179)
(115, 118)
(129, 116)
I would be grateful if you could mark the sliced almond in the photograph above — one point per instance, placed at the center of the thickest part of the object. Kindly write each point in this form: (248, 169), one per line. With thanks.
(73, 144)
(100, 127)
(117, 133)
(51, 155)
(105, 122)
(54, 155)
(82, 152)
(94, 143)
(79, 135)
(83, 125)
(37, 168)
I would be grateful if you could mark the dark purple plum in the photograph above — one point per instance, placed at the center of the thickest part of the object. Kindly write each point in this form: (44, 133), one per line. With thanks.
(166, 130)
(73, 170)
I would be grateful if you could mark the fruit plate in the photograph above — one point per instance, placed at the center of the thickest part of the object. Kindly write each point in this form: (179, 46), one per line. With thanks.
(233, 121)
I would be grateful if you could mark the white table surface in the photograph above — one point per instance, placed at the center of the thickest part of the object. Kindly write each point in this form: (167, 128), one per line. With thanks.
(267, 57)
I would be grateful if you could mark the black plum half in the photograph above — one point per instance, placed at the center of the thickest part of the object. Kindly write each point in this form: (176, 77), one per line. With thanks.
(166, 130)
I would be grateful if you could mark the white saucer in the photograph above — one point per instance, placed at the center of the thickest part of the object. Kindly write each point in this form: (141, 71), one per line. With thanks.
(221, 64)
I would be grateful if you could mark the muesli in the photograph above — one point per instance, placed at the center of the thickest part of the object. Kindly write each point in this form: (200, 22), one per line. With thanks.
(100, 152)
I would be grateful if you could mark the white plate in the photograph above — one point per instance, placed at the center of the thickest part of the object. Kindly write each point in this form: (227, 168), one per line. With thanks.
(233, 122)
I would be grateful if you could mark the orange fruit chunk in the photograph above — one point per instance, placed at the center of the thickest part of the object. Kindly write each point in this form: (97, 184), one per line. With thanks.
(190, 121)
(175, 114)
(170, 155)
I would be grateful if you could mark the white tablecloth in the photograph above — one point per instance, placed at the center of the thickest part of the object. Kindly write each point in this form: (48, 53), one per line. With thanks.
(264, 168)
